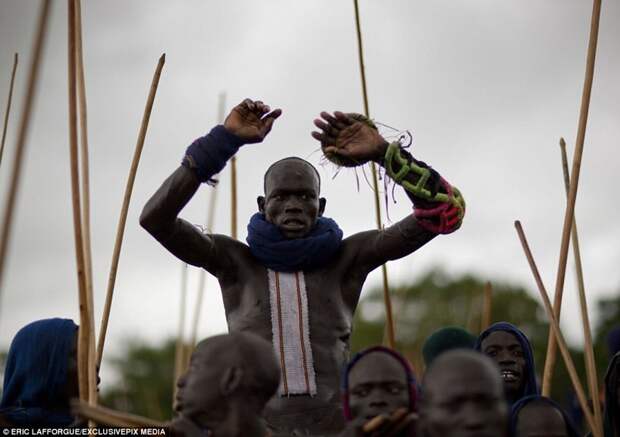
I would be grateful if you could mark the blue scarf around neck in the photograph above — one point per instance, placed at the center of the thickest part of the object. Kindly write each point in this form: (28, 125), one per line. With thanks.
(278, 253)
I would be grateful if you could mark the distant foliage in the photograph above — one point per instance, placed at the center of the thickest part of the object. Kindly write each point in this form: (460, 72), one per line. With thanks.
(145, 381)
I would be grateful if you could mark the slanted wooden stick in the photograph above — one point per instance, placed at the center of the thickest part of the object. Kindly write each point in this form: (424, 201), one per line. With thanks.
(107, 416)
(487, 306)
(389, 327)
(572, 195)
(85, 178)
(587, 332)
(22, 134)
(8, 107)
(557, 332)
(202, 279)
(84, 331)
(120, 230)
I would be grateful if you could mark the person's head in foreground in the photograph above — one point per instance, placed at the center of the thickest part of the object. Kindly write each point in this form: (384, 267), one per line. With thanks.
(462, 396)
(539, 416)
(40, 376)
(445, 339)
(224, 391)
(612, 397)
(508, 346)
(379, 382)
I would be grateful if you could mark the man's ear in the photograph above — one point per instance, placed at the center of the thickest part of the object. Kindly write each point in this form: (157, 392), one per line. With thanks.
(230, 380)
(322, 203)
(260, 200)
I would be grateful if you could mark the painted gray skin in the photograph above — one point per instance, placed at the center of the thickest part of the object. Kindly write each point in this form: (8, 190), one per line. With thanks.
(333, 291)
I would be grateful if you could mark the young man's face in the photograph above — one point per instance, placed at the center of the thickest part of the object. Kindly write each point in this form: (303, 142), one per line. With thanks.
(464, 401)
(504, 348)
(291, 199)
(538, 419)
(377, 385)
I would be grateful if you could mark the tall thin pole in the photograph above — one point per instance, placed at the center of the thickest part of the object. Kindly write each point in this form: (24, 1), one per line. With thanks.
(487, 306)
(22, 134)
(202, 279)
(85, 178)
(8, 107)
(557, 332)
(386, 289)
(84, 331)
(179, 351)
(587, 332)
(572, 195)
(120, 230)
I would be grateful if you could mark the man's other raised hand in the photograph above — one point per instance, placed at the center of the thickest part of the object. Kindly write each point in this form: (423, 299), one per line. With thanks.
(251, 120)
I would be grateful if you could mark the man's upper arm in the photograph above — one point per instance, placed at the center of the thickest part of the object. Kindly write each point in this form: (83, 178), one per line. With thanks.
(374, 248)
(188, 243)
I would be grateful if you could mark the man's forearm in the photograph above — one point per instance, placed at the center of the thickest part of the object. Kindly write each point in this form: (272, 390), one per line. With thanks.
(439, 206)
(203, 159)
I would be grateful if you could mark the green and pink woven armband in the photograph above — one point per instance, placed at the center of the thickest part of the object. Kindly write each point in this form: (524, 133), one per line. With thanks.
(442, 208)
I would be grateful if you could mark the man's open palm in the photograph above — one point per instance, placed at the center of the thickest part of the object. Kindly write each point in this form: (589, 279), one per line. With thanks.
(349, 137)
(251, 120)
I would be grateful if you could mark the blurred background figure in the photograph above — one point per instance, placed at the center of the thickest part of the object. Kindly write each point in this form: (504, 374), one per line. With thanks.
(539, 416)
(445, 339)
(379, 382)
(41, 375)
(462, 395)
(508, 346)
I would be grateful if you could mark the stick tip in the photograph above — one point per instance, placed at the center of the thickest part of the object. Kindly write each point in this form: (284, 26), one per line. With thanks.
(517, 224)
(562, 142)
(162, 58)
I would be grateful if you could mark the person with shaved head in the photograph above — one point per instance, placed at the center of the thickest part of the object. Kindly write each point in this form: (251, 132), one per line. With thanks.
(297, 282)
(462, 396)
(224, 391)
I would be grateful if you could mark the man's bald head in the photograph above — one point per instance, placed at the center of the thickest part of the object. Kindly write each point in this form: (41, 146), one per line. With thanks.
(541, 418)
(462, 395)
(302, 167)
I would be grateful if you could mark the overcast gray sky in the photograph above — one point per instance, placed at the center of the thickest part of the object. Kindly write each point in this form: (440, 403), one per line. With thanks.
(487, 87)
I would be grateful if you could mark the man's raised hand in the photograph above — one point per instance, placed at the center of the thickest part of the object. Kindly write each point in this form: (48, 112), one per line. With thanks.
(349, 137)
(251, 120)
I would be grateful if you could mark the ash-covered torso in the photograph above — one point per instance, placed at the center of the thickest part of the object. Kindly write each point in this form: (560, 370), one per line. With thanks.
(332, 295)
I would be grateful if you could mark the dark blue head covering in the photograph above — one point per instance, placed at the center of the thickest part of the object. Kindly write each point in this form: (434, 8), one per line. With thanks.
(35, 376)
(518, 406)
(530, 387)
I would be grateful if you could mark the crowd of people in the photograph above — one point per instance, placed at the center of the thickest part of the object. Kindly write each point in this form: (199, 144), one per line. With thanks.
(483, 386)
(290, 295)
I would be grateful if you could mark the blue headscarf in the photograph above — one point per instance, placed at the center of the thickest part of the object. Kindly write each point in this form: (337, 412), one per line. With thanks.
(36, 374)
(530, 387)
(518, 406)
(278, 253)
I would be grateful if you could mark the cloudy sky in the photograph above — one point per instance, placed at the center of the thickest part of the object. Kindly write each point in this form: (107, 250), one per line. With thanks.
(486, 87)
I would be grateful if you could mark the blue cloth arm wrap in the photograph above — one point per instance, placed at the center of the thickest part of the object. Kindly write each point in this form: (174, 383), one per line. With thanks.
(208, 155)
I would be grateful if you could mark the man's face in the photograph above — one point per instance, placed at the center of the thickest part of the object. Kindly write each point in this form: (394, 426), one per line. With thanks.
(198, 389)
(504, 348)
(377, 385)
(291, 199)
(464, 401)
(538, 419)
